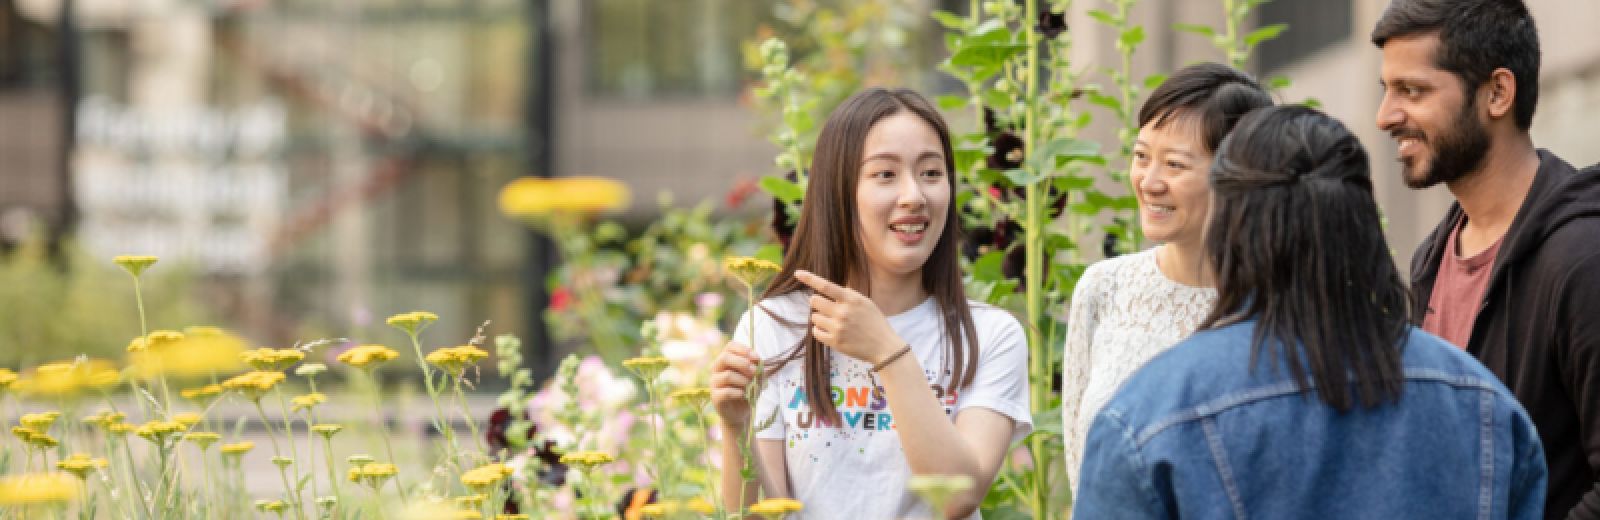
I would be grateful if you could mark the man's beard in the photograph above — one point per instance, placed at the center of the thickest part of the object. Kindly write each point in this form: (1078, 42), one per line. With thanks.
(1455, 152)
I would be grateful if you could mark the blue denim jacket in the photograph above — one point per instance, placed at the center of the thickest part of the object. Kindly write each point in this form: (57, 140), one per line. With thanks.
(1196, 433)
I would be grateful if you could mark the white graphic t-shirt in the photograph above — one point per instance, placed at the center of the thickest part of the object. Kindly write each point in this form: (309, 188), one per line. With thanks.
(856, 468)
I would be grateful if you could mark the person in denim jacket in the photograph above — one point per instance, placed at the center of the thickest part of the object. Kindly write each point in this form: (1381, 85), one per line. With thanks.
(1238, 421)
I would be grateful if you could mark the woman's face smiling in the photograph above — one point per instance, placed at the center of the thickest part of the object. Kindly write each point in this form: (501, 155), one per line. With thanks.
(1171, 168)
(902, 194)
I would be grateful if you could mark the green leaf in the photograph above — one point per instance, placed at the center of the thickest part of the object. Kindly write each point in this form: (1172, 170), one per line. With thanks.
(1103, 17)
(951, 102)
(969, 157)
(1154, 80)
(1110, 102)
(1072, 148)
(1071, 183)
(1048, 421)
(991, 176)
(991, 31)
(1022, 176)
(1278, 83)
(1132, 37)
(988, 266)
(786, 191)
(997, 100)
(1312, 103)
(771, 253)
(986, 55)
(951, 20)
(1203, 30)
(1264, 34)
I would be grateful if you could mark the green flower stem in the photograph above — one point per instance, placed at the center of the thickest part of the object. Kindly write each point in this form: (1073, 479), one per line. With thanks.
(441, 421)
(294, 455)
(383, 427)
(472, 425)
(333, 475)
(288, 489)
(1033, 228)
(711, 483)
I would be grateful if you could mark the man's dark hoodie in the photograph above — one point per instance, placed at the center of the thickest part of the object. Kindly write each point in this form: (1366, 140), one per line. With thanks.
(1539, 325)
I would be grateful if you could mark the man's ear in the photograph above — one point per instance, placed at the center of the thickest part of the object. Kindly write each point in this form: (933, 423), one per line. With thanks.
(1500, 93)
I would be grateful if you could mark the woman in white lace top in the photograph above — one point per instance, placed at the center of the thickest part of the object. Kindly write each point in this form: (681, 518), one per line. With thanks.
(1126, 310)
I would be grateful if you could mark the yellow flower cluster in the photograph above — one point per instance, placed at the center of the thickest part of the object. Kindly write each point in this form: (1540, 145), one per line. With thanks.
(692, 397)
(776, 507)
(471, 501)
(308, 401)
(6, 378)
(105, 419)
(202, 439)
(40, 422)
(587, 459)
(455, 360)
(272, 359)
(533, 198)
(135, 264)
(158, 431)
(34, 438)
(271, 506)
(412, 322)
(327, 430)
(201, 393)
(253, 384)
(80, 464)
(373, 474)
(672, 507)
(481, 478)
(647, 367)
(37, 488)
(68, 378)
(155, 341)
(238, 448)
(186, 419)
(196, 352)
(362, 356)
(750, 271)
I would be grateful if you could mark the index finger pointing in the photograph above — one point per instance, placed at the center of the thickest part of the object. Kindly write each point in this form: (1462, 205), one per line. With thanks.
(821, 285)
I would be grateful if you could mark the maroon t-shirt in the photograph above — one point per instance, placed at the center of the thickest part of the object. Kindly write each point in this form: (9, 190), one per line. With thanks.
(1458, 290)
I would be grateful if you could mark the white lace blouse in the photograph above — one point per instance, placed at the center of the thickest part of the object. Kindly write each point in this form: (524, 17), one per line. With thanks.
(1124, 312)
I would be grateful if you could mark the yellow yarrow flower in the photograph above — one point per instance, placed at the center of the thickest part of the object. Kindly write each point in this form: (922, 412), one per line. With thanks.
(135, 264)
(204, 352)
(647, 367)
(471, 501)
(24, 434)
(238, 448)
(587, 459)
(373, 474)
(750, 271)
(67, 378)
(455, 360)
(37, 488)
(308, 401)
(186, 419)
(6, 378)
(158, 431)
(202, 439)
(774, 508)
(412, 322)
(272, 359)
(700, 505)
(80, 464)
(327, 430)
(201, 393)
(271, 506)
(254, 384)
(533, 198)
(105, 419)
(365, 355)
(692, 397)
(481, 478)
(40, 422)
(120, 428)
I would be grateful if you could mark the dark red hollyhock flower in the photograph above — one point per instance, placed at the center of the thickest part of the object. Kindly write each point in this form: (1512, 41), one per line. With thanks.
(553, 472)
(1051, 24)
(1008, 152)
(781, 226)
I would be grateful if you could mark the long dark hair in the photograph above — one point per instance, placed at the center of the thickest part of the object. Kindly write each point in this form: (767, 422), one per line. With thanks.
(1297, 245)
(827, 240)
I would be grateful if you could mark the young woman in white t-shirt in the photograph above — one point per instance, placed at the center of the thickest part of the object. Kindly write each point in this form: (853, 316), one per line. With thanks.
(877, 366)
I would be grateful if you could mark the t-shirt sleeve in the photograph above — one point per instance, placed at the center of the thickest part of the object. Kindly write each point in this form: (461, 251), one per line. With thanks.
(1001, 383)
(767, 404)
